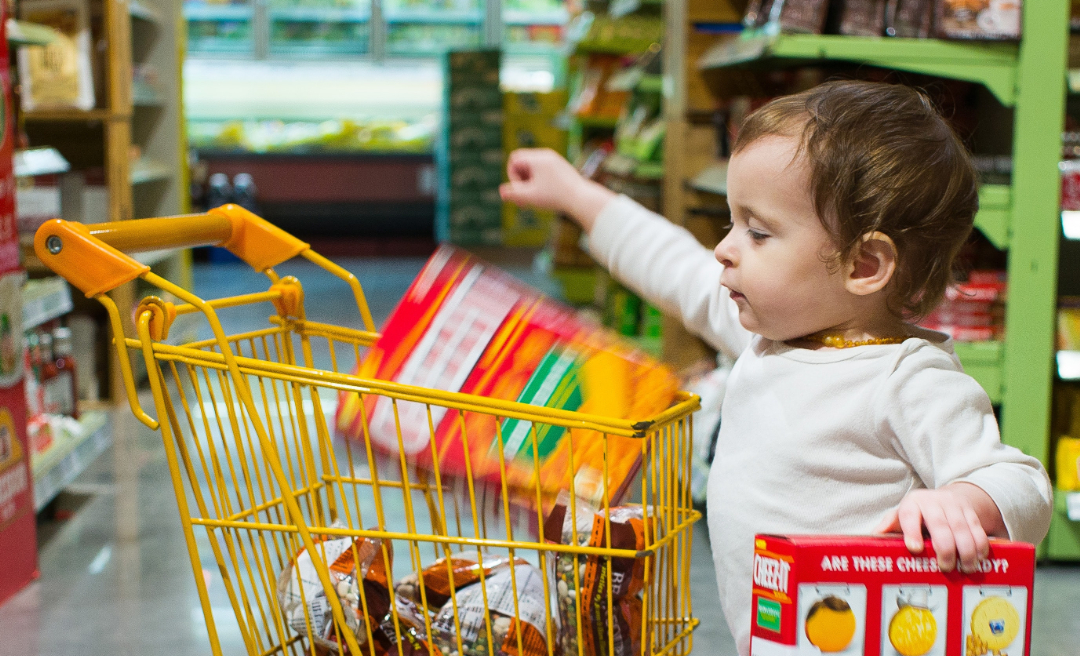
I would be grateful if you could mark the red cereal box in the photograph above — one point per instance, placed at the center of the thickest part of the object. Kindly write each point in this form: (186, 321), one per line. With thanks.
(870, 596)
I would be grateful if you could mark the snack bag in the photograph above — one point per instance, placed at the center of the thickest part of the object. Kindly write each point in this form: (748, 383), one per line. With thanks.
(451, 588)
(464, 326)
(585, 578)
(356, 567)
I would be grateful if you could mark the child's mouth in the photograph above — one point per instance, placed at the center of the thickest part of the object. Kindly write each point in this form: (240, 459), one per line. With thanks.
(736, 296)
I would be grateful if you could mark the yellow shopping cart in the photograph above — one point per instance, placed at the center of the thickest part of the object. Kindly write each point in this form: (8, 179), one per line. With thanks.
(288, 514)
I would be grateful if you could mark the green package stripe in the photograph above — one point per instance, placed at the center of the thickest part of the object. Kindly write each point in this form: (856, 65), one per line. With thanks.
(554, 384)
(768, 614)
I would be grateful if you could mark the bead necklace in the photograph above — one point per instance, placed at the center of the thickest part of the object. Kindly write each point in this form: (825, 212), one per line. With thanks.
(837, 341)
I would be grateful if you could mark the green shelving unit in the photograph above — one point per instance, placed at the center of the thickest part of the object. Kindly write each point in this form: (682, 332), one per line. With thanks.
(1022, 217)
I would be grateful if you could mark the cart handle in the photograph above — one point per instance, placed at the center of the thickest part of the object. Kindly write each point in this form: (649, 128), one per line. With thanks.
(92, 257)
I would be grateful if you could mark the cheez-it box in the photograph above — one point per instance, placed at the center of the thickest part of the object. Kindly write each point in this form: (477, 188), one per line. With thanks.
(872, 597)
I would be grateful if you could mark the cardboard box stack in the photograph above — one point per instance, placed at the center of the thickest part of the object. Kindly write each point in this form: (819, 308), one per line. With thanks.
(529, 122)
(470, 151)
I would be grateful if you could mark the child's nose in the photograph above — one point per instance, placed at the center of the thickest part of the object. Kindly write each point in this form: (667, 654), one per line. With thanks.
(725, 252)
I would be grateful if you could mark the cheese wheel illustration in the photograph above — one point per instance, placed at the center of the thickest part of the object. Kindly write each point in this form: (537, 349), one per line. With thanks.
(830, 624)
(995, 622)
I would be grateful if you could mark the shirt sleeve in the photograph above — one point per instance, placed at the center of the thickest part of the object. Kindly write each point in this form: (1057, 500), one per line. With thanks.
(664, 264)
(944, 427)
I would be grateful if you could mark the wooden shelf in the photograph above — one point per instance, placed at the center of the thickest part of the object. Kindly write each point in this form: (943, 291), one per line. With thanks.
(71, 115)
(992, 64)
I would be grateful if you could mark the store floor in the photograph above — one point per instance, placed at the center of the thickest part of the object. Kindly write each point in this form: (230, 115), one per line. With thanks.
(115, 576)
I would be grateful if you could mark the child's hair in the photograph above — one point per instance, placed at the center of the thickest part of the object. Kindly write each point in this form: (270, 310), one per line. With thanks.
(882, 159)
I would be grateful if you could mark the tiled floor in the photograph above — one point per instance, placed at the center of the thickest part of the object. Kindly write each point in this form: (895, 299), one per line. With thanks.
(116, 580)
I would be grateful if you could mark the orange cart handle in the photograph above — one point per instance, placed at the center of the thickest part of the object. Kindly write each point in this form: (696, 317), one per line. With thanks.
(92, 257)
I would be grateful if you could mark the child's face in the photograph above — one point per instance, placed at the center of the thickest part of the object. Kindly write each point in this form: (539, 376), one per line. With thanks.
(776, 254)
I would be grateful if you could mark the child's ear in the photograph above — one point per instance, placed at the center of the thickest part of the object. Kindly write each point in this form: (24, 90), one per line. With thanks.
(873, 265)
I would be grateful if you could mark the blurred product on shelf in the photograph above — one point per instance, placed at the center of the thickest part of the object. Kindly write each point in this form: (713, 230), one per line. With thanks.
(972, 311)
(862, 17)
(218, 190)
(244, 192)
(469, 158)
(593, 99)
(978, 19)
(330, 136)
(57, 75)
(529, 121)
(1067, 462)
(990, 20)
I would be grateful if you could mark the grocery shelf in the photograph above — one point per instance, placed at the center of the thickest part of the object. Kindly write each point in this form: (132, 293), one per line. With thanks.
(24, 33)
(984, 361)
(45, 299)
(624, 165)
(992, 64)
(712, 179)
(73, 115)
(994, 219)
(321, 14)
(39, 161)
(142, 12)
(433, 17)
(217, 12)
(144, 95)
(71, 454)
(523, 17)
(1072, 505)
(596, 121)
(145, 170)
(1063, 541)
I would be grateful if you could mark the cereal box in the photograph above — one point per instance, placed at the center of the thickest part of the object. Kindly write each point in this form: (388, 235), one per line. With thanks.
(872, 597)
(464, 326)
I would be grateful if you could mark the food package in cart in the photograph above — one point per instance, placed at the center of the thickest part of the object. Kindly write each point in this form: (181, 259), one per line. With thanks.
(455, 589)
(580, 577)
(358, 572)
(464, 326)
(872, 597)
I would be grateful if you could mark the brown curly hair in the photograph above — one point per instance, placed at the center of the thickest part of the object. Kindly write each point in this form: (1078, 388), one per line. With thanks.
(882, 159)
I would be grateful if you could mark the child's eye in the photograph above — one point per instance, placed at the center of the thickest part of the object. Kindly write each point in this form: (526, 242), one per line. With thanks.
(756, 236)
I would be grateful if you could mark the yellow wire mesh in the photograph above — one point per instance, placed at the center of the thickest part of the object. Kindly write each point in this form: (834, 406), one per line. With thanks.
(259, 477)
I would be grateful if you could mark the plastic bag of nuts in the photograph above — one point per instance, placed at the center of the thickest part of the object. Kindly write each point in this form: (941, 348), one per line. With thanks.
(358, 572)
(584, 627)
(503, 616)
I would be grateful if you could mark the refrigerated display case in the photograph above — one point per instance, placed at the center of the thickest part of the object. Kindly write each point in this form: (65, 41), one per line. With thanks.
(319, 27)
(220, 28)
(375, 29)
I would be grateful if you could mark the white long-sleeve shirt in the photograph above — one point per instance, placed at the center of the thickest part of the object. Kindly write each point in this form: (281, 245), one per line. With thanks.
(818, 441)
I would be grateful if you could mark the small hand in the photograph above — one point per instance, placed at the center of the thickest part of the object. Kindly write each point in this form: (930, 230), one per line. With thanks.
(954, 518)
(542, 178)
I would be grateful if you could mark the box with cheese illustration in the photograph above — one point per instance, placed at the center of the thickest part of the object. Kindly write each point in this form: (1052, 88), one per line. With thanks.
(870, 596)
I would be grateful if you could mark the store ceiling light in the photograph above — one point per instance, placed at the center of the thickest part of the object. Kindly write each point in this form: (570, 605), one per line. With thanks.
(1070, 223)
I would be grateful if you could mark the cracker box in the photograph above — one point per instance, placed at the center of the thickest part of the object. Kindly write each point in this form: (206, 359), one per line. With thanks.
(870, 596)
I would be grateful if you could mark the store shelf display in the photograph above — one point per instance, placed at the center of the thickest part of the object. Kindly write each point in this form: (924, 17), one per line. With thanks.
(220, 28)
(340, 135)
(469, 156)
(319, 27)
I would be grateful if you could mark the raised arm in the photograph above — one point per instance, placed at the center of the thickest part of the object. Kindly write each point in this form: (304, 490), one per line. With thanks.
(661, 262)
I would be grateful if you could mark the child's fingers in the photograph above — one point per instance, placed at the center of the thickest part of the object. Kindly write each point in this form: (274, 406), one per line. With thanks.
(513, 192)
(966, 549)
(891, 523)
(518, 167)
(911, 522)
(941, 535)
(982, 540)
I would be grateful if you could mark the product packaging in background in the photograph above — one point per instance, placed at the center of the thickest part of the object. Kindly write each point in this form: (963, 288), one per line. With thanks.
(469, 153)
(464, 326)
(529, 122)
(870, 596)
(18, 536)
(978, 19)
(973, 311)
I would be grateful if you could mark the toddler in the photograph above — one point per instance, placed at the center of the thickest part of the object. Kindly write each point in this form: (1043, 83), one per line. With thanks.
(849, 203)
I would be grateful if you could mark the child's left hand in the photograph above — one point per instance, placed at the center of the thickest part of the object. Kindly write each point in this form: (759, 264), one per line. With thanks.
(958, 518)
